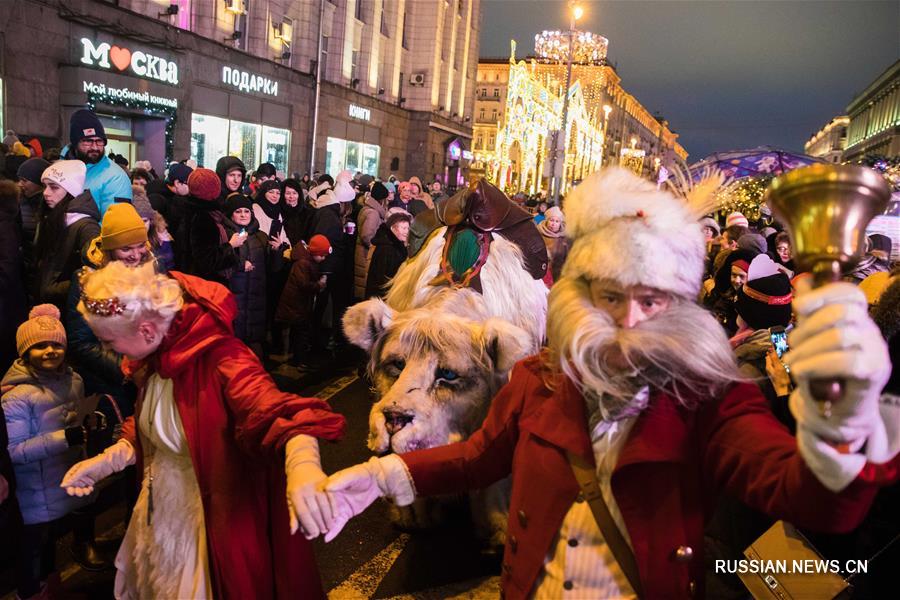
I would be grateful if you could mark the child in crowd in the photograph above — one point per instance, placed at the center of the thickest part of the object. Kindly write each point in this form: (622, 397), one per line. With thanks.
(248, 279)
(304, 283)
(41, 405)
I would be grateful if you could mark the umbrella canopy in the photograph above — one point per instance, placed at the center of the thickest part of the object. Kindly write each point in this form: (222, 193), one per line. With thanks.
(764, 160)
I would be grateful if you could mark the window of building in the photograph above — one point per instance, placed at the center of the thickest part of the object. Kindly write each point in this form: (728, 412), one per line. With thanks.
(403, 39)
(354, 65)
(496, 76)
(494, 114)
(478, 140)
(355, 156)
(359, 10)
(496, 92)
(214, 137)
(324, 56)
(481, 115)
(491, 143)
(384, 27)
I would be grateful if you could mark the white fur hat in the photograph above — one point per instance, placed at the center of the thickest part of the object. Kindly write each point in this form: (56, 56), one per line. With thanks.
(623, 228)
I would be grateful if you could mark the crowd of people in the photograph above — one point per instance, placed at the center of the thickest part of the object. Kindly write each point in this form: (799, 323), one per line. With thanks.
(139, 310)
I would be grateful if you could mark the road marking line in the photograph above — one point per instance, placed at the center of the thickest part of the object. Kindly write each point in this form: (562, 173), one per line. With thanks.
(335, 388)
(366, 579)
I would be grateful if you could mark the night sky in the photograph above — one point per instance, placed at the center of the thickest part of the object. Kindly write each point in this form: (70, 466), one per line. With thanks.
(727, 75)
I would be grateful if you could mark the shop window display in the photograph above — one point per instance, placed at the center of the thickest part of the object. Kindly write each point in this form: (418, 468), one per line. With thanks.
(214, 137)
(355, 156)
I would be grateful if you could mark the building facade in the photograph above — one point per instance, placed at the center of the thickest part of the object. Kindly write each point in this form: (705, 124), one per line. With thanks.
(830, 141)
(874, 126)
(204, 78)
(516, 152)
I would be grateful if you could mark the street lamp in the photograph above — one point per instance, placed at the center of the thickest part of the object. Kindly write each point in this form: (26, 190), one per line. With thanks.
(576, 13)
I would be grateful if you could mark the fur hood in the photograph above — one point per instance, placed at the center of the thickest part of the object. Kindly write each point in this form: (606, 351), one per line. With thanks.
(623, 228)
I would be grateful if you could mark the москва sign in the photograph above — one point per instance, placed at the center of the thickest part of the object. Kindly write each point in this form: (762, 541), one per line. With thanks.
(140, 63)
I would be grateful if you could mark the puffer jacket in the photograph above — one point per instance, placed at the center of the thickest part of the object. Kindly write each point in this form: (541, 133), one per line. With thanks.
(249, 287)
(55, 272)
(296, 302)
(38, 408)
(369, 220)
(387, 257)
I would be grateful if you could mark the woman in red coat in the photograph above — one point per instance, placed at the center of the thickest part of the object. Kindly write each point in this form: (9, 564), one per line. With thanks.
(211, 519)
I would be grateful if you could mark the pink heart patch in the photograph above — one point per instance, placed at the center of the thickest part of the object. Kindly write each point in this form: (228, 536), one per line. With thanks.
(121, 57)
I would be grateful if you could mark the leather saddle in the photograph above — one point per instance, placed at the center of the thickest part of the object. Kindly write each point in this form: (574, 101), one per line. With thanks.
(486, 209)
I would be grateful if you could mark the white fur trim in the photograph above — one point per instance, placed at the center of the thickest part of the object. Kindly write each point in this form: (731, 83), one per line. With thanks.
(395, 480)
(625, 229)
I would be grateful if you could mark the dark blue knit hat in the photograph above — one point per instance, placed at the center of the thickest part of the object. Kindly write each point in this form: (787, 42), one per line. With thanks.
(32, 169)
(178, 172)
(85, 124)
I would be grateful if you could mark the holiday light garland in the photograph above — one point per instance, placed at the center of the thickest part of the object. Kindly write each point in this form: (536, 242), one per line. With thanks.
(170, 114)
(744, 195)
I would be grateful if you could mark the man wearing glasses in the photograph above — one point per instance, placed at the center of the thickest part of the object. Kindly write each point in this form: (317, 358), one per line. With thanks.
(107, 182)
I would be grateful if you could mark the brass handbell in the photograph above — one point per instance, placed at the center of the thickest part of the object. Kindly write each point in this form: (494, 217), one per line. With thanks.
(826, 209)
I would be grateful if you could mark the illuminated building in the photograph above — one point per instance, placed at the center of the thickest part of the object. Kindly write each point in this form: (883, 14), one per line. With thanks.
(518, 104)
(874, 126)
(829, 142)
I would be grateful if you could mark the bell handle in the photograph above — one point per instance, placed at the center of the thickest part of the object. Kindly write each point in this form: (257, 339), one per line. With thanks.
(826, 391)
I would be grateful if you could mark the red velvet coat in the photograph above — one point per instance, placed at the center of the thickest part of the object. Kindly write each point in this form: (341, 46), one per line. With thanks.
(669, 472)
(237, 423)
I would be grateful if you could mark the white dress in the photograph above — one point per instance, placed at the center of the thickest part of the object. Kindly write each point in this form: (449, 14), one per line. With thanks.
(167, 556)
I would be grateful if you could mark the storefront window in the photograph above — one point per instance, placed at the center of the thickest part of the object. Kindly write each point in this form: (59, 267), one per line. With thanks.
(276, 144)
(244, 143)
(355, 156)
(209, 139)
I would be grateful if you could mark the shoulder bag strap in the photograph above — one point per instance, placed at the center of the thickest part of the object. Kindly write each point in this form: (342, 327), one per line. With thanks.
(590, 489)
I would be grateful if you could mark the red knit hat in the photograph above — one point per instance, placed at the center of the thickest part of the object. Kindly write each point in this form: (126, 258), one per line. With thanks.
(204, 184)
(319, 245)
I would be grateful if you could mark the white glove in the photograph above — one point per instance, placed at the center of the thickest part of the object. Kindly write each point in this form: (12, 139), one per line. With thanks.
(81, 478)
(835, 338)
(309, 506)
(355, 489)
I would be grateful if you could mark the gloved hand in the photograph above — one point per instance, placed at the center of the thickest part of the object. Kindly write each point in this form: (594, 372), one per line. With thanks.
(81, 478)
(835, 338)
(309, 506)
(356, 488)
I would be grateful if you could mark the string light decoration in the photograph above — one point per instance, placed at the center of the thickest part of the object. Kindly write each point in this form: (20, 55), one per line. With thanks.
(169, 114)
(888, 166)
(525, 136)
(588, 48)
(744, 195)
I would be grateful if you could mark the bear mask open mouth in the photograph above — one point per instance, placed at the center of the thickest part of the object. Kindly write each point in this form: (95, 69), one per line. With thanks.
(395, 421)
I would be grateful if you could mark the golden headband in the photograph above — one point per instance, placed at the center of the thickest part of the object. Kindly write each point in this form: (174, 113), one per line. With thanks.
(102, 307)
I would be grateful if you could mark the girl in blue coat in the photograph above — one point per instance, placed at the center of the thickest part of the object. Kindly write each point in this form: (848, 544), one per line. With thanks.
(41, 400)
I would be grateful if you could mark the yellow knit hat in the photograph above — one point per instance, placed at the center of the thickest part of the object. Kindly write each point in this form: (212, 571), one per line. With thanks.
(122, 226)
(43, 325)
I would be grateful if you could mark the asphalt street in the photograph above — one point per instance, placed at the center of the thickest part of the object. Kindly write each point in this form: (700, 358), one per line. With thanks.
(369, 559)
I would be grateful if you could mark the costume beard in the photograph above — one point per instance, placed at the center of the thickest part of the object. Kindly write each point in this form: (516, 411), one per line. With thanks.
(682, 351)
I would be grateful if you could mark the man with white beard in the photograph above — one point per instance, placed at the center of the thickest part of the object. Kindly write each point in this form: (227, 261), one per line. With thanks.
(638, 395)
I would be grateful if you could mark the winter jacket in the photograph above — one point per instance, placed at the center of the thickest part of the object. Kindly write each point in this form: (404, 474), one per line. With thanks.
(101, 368)
(387, 257)
(414, 207)
(13, 302)
(296, 302)
(296, 221)
(38, 408)
(172, 208)
(55, 271)
(106, 181)
(236, 423)
(869, 265)
(327, 221)
(249, 287)
(369, 220)
(424, 196)
(207, 253)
